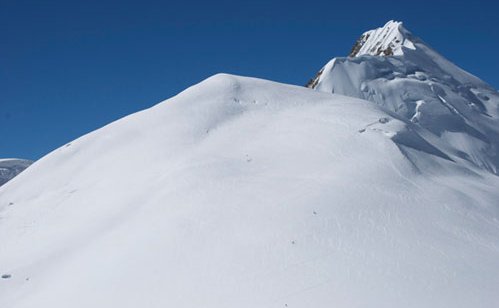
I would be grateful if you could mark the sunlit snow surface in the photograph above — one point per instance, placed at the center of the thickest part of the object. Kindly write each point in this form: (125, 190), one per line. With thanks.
(448, 111)
(242, 192)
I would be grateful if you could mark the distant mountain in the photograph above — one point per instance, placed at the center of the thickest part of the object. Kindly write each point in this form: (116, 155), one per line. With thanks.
(11, 167)
(378, 188)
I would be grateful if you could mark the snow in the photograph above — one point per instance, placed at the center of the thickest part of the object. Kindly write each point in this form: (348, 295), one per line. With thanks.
(420, 87)
(391, 39)
(242, 192)
(10, 167)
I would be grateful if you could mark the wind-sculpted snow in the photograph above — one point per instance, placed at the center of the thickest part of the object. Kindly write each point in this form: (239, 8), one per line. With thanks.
(455, 112)
(241, 192)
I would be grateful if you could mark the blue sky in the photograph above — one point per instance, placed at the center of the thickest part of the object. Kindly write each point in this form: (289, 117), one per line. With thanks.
(69, 67)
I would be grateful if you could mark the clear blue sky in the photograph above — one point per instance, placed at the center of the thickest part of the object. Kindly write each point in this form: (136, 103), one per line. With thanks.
(69, 67)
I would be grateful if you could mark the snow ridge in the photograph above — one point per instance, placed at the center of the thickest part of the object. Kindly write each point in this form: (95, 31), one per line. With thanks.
(389, 40)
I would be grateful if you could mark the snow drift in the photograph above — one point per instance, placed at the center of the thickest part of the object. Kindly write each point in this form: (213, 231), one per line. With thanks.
(241, 192)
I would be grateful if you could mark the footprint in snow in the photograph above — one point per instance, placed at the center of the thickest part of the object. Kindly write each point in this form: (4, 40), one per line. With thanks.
(383, 120)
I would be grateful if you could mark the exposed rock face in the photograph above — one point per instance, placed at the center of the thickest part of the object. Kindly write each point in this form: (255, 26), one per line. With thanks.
(358, 45)
(312, 83)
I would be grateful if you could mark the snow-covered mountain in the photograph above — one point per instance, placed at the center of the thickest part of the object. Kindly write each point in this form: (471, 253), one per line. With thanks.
(10, 167)
(242, 192)
(446, 110)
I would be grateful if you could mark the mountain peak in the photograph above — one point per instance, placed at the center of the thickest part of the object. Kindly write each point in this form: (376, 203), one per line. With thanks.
(388, 40)
(396, 70)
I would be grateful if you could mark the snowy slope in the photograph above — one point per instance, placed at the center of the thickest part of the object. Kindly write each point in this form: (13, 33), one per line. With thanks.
(242, 192)
(454, 112)
(10, 167)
